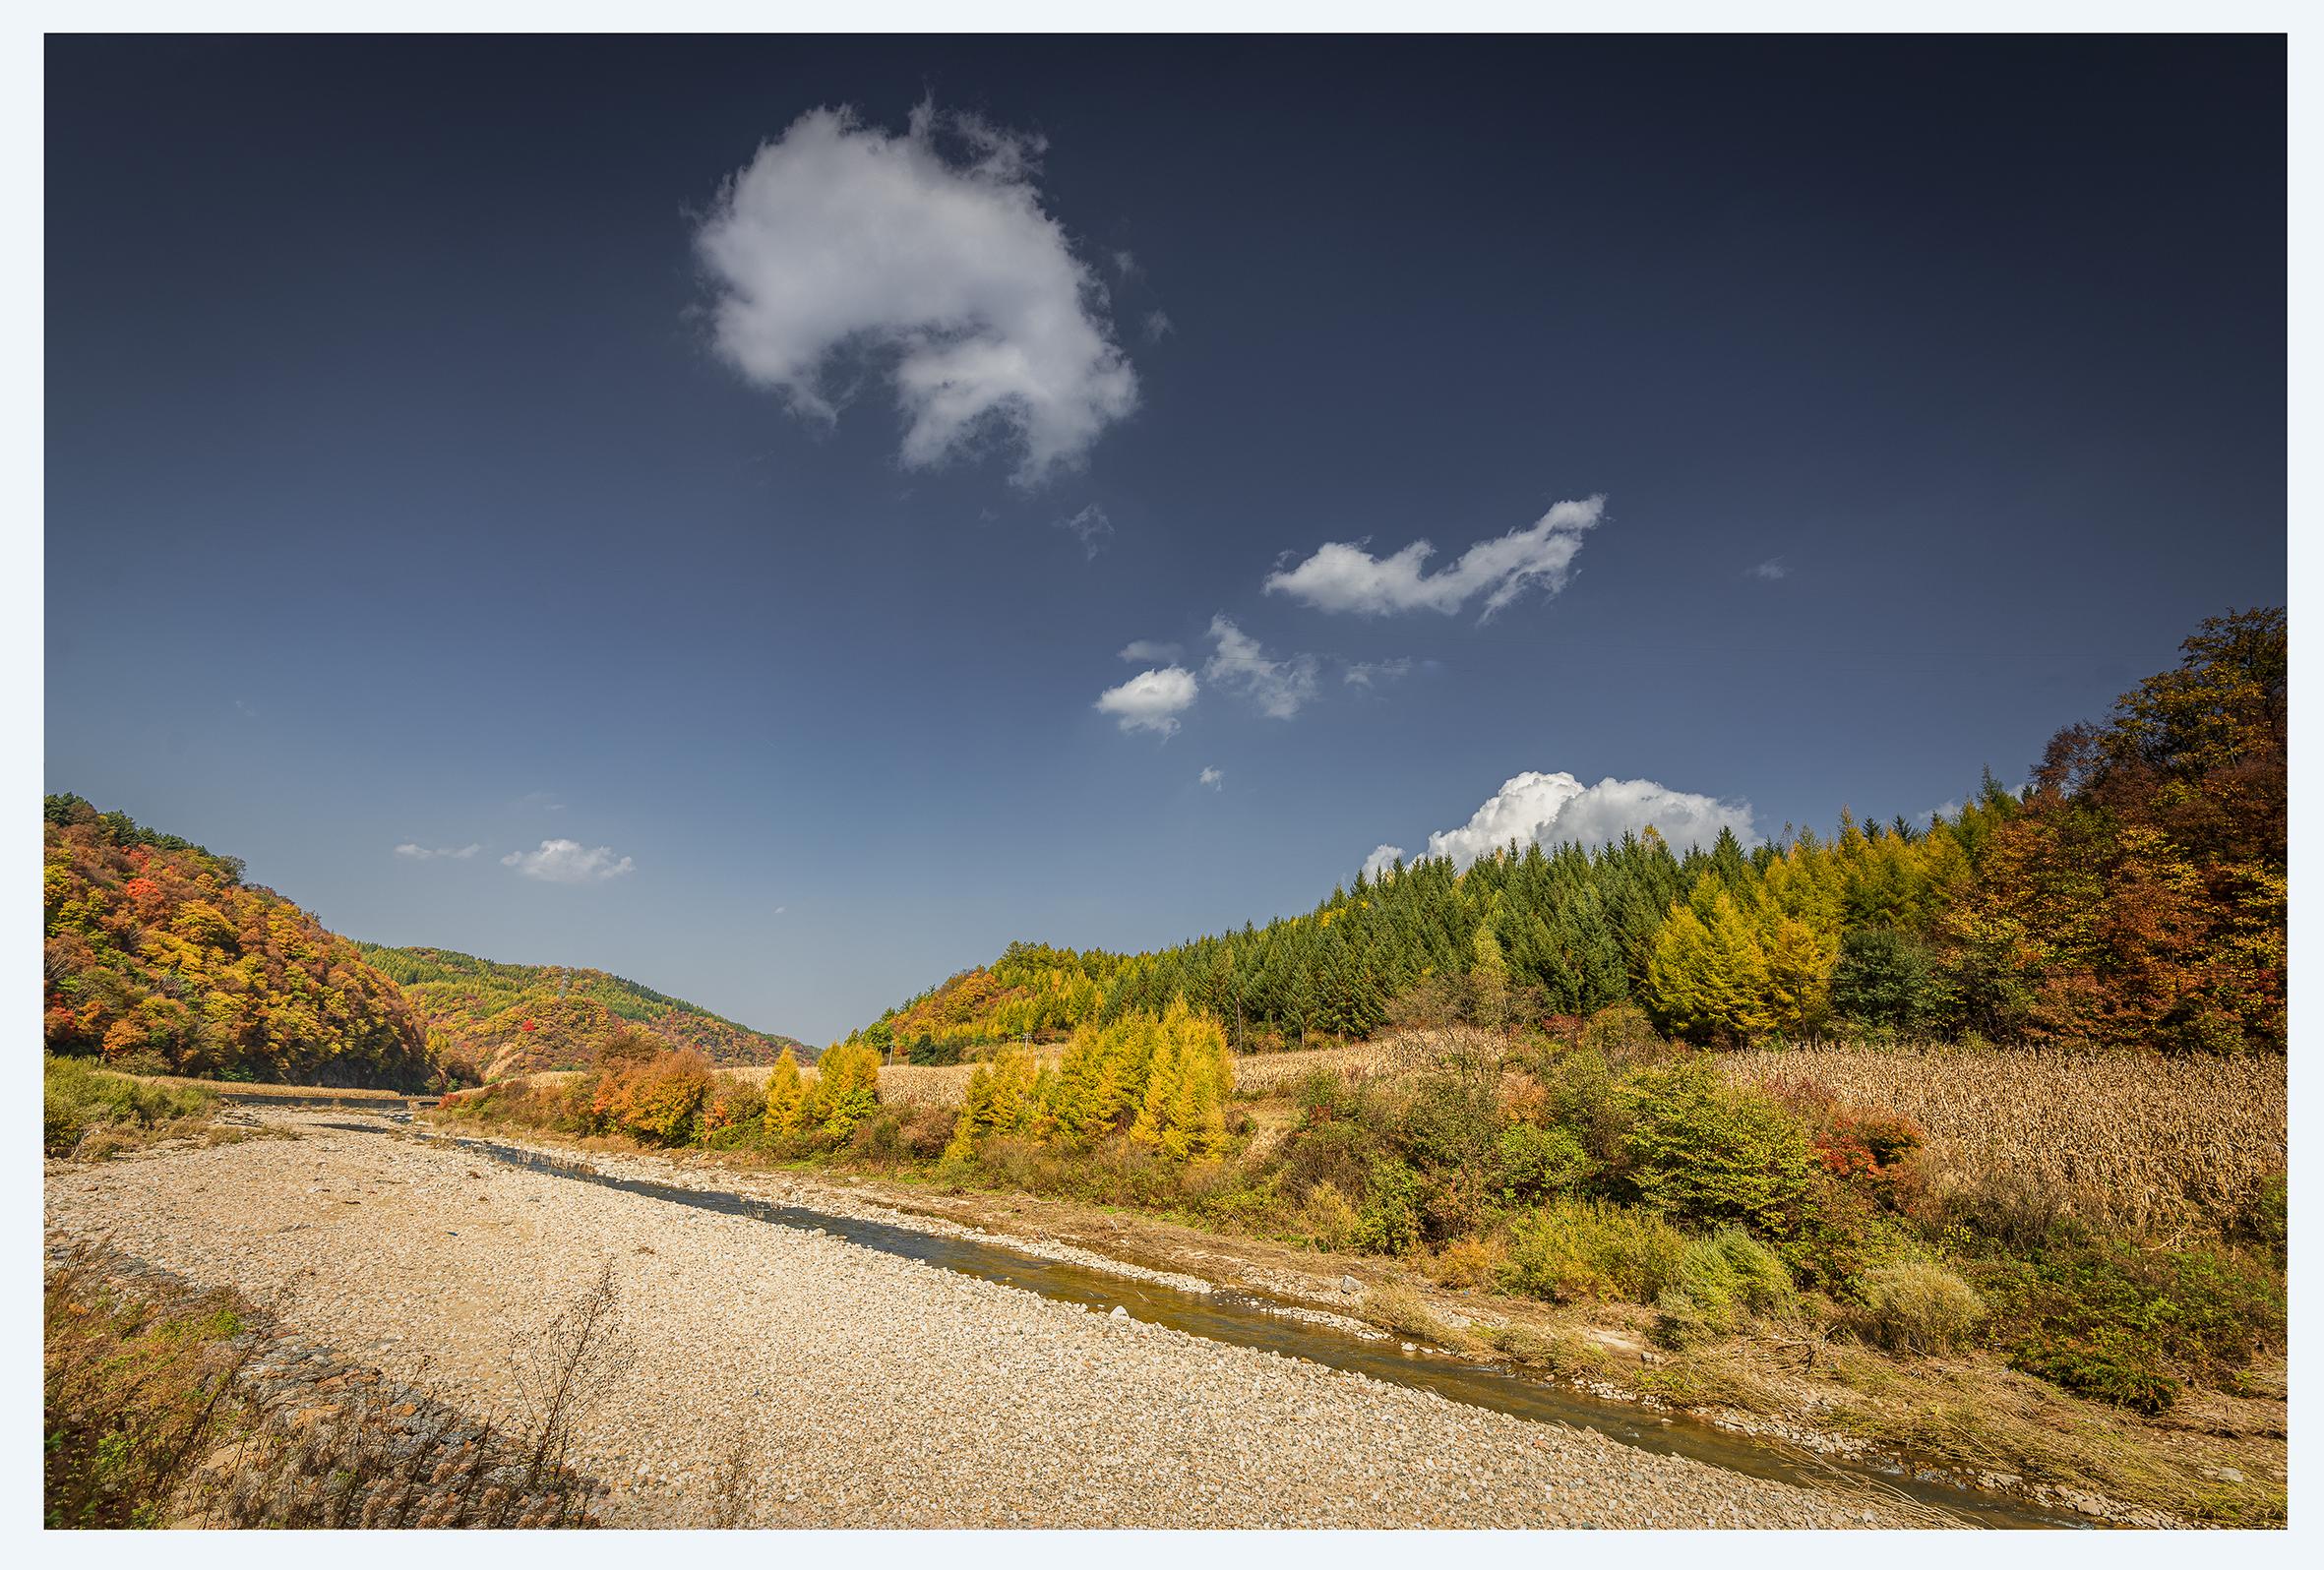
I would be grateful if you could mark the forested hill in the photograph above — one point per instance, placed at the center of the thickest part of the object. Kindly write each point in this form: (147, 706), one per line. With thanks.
(2132, 893)
(515, 1019)
(159, 958)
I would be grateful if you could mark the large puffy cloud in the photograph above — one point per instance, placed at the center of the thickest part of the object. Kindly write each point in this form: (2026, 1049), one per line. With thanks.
(567, 861)
(1151, 701)
(1552, 808)
(1344, 577)
(928, 256)
(1237, 661)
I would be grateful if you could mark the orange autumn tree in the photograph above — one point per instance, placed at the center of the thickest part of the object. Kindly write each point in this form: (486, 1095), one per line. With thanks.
(158, 957)
(2140, 898)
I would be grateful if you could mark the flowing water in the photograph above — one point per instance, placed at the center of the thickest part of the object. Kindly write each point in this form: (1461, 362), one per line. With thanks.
(1246, 1319)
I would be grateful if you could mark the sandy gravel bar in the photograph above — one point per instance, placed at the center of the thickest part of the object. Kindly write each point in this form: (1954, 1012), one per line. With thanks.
(873, 1391)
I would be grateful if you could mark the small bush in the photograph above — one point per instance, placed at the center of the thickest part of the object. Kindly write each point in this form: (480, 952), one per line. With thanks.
(654, 1101)
(1390, 1221)
(1326, 1220)
(1719, 1284)
(1622, 1034)
(1538, 1164)
(1702, 1150)
(1917, 1307)
(1471, 1262)
(879, 1140)
(1400, 1310)
(1559, 1353)
(1590, 1248)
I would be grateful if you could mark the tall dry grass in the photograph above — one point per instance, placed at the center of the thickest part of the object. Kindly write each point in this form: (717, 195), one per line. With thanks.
(2161, 1146)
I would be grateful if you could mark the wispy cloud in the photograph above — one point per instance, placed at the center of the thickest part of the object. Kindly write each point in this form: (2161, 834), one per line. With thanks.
(1279, 687)
(926, 257)
(1090, 526)
(540, 802)
(1345, 576)
(1158, 327)
(424, 853)
(1368, 674)
(1150, 651)
(1769, 570)
(1550, 808)
(245, 709)
(567, 861)
(1216, 778)
(1151, 701)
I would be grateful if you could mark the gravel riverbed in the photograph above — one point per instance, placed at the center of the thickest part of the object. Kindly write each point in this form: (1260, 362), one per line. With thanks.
(865, 1390)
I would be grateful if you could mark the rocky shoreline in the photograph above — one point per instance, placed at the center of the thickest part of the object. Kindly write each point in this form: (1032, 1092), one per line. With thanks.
(841, 1386)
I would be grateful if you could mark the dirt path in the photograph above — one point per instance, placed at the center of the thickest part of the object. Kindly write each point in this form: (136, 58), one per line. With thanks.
(868, 1390)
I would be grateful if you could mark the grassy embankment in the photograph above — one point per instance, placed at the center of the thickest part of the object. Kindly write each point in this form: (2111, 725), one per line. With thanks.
(160, 1409)
(2059, 1268)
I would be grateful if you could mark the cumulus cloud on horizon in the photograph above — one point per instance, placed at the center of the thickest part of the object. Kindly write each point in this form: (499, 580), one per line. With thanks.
(1550, 809)
(1151, 701)
(1345, 576)
(1280, 688)
(425, 852)
(567, 861)
(925, 258)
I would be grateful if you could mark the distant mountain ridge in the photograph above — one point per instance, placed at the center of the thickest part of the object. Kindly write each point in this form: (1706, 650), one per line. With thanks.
(516, 1019)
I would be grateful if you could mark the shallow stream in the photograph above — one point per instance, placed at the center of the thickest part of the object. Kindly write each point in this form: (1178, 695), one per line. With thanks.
(1246, 1319)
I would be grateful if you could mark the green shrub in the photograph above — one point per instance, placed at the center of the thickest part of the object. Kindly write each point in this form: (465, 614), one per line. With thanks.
(1622, 1033)
(1705, 1151)
(1590, 1248)
(1390, 1221)
(2121, 1323)
(1719, 1284)
(1537, 1163)
(1916, 1305)
(1326, 1220)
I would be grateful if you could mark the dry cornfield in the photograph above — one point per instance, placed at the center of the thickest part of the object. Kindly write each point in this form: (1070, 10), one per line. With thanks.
(2159, 1146)
(1385, 1056)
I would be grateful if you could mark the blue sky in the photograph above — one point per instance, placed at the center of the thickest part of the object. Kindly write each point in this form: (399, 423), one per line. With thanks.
(505, 442)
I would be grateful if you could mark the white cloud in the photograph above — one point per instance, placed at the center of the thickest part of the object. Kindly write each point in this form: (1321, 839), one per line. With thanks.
(1370, 673)
(1216, 778)
(541, 800)
(1383, 858)
(1343, 576)
(1148, 651)
(1151, 701)
(247, 711)
(1159, 327)
(1090, 526)
(926, 257)
(424, 853)
(566, 861)
(1552, 809)
(1125, 263)
(1768, 570)
(1278, 686)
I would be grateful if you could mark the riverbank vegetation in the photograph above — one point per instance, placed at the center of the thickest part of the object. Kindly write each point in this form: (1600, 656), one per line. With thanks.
(1779, 1234)
(87, 1114)
(164, 1406)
